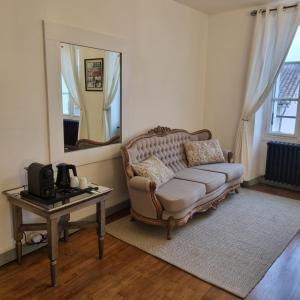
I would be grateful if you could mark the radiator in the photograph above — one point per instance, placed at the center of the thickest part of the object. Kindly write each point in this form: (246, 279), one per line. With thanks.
(70, 132)
(283, 163)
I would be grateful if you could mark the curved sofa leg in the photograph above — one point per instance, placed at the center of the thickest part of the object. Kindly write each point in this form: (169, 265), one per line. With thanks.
(170, 226)
(236, 190)
(132, 219)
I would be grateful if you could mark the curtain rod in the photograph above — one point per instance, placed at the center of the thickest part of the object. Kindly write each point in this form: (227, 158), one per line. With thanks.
(254, 12)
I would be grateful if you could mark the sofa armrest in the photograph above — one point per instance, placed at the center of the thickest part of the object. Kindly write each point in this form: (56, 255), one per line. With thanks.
(143, 199)
(228, 155)
(142, 184)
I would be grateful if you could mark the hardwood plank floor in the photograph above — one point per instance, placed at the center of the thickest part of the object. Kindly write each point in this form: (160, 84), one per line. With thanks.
(276, 191)
(129, 273)
(125, 273)
(282, 281)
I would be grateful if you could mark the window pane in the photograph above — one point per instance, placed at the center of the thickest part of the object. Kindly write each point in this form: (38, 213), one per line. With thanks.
(287, 83)
(284, 116)
(64, 88)
(65, 100)
(284, 125)
(294, 52)
(285, 108)
(76, 110)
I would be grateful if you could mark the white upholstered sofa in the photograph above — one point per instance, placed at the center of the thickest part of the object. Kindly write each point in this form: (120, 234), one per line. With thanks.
(193, 189)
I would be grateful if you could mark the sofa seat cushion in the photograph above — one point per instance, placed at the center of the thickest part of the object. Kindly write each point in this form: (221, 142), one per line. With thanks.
(177, 194)
(231, 170)
(212, 180)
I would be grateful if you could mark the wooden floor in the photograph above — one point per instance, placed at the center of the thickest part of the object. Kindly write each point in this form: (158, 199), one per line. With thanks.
(129, 273)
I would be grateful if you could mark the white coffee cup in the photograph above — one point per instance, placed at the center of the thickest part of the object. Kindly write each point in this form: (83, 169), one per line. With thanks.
(83, 183)
(74, 182)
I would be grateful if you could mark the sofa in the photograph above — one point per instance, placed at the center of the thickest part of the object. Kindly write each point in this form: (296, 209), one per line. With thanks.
(191, 190)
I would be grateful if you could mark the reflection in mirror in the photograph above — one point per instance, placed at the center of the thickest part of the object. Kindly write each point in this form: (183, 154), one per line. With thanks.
(91, 96)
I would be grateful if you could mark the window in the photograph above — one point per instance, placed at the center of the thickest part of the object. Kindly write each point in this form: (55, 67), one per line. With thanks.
(286, 95)
(285, 100)
(70, 109)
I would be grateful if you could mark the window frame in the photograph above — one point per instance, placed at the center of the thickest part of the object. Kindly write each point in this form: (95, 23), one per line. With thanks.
(269, 118)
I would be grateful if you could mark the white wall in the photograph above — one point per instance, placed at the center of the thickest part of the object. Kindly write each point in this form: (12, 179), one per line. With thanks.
(168, 57)
(229, 42)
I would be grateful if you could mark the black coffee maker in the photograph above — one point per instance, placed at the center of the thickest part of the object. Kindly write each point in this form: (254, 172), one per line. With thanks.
(63, 175)
(41, 180)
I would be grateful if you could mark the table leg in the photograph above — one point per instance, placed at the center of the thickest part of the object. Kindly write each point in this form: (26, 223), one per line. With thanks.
(18, 234)
(52, 225)
(65, 222)
(66, 235)
(100, 214)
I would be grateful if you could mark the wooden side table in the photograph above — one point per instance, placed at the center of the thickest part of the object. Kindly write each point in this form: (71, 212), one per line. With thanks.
(57, 220)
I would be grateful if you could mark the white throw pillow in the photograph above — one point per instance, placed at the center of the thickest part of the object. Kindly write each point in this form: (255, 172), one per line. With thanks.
(204, 152)
(153, 169)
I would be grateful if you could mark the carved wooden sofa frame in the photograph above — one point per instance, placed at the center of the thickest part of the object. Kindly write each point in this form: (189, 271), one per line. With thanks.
(150, 187)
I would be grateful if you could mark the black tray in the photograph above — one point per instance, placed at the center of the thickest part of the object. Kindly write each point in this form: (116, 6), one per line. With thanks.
(61, 195)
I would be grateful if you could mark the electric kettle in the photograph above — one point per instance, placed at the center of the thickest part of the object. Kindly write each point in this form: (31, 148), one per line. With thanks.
(63, 175)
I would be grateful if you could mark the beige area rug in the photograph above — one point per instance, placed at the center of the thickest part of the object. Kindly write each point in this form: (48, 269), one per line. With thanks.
(231, 247)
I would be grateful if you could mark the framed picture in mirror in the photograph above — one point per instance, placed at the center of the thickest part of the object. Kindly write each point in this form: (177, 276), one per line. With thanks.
(93, 74)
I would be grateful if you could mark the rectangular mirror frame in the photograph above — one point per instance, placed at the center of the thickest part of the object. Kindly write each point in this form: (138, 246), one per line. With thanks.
(54, 34)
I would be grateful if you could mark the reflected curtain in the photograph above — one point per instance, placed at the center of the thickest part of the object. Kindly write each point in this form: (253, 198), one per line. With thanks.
(70, 73)
(273, 35)
(111, 89)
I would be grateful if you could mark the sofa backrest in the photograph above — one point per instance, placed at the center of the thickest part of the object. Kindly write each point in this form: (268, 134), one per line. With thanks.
(164, 143)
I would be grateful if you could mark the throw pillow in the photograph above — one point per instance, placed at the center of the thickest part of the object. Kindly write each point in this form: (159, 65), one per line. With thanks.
(204, 152)
(153, 169)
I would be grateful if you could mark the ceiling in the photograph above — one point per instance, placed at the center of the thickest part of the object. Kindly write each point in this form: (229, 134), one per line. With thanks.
(217, 6)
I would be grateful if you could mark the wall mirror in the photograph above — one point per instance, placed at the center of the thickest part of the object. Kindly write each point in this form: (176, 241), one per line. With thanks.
(86, 90)
(91, 96)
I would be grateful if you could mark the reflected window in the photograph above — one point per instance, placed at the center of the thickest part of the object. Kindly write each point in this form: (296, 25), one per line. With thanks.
(70, 109)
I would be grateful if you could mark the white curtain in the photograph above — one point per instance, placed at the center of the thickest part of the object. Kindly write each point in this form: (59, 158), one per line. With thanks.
(69, 70)
(273, 35)
(111, 89)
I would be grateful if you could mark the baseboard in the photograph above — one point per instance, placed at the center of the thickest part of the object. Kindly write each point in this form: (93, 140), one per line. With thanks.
(281, 185)
(252, 182)
(261, 179)
(10, 255)
(116, 208)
